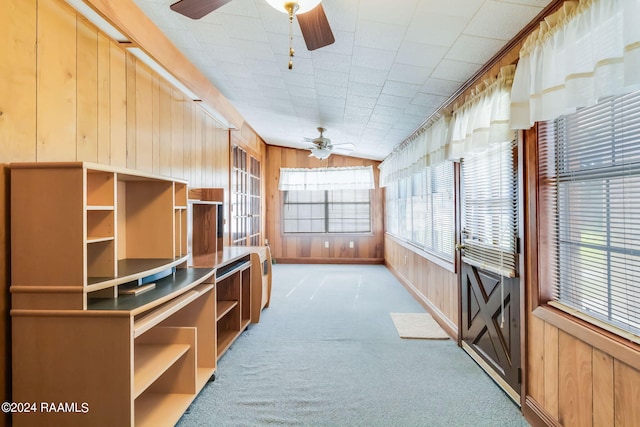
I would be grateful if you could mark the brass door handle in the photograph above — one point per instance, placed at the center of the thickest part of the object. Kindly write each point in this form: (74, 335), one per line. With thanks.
(460, 246)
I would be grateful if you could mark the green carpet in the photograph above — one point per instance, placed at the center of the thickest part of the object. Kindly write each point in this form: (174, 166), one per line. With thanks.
(326, 353)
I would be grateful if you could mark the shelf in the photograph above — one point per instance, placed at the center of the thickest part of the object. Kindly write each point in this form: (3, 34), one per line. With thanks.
(151, 361)
(203, 375)
(131, 269)
(99, 239)
(224, 307)
(225, 340)
(180, 207)
(100, 208)
(160, 409)
(244, 323)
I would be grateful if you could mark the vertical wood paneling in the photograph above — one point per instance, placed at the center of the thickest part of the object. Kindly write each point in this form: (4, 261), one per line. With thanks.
(18, 81)
(155, 122)
(551, 363)
(198, 149)
(187, 142)
(118, 105)
(627, 395)
(87, 92)
(177, 134)
(131, 110)
(603, 414)
(144, 118)
(104, 101)
(575, 382)
(56, 116)
(165, 128)
(535, 358)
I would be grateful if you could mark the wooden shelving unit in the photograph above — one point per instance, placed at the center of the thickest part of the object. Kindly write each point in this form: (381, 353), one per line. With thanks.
(81, 234)
(135, 359)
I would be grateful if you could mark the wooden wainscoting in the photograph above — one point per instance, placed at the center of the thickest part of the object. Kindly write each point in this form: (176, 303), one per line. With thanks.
(433, 285)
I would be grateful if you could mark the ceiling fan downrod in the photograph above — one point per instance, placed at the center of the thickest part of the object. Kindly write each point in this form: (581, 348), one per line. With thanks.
(292, 8)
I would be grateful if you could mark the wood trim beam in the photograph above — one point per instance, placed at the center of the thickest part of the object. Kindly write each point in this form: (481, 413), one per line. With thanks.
(133, 23)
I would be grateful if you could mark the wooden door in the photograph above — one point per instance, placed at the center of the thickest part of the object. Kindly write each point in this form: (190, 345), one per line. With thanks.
(489, 277)
(496, 340)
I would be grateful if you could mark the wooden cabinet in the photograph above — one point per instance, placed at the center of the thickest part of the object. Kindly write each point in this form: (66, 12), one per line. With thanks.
(123, 297)
(86, 240)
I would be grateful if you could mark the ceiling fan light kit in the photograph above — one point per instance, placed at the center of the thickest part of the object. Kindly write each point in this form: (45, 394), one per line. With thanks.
(314, 25)
(300, 6)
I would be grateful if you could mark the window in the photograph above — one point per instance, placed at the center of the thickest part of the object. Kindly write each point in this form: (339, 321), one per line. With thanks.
(589, 170)
(327, 211)
(490, 214)
(420, 209)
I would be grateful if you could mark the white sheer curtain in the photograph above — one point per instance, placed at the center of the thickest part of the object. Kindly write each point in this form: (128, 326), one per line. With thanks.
(483, 119)
(344, 178)
(428, 148)
(585, 51)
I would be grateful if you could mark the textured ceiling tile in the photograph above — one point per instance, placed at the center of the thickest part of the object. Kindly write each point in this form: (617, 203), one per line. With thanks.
(379, 36)
(243, 28)
(335, 62)
(303, 99)
(368, 76)
(373, 58)
(400, 88)
(361, 101)
(332, 91)
(343, 44)
(411, 74)
(455, 70)
(419, 54)
(474, 49)
(334, 78)
(330, 102)
(394, 12)
(342, 15)
(440, 86)
(426, 99)
(435, 29)
(364, 89)
(393, 101)
(499, 20)
(462, 8)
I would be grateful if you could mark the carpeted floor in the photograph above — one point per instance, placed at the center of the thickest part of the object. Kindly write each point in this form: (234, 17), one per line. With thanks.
(326, 353)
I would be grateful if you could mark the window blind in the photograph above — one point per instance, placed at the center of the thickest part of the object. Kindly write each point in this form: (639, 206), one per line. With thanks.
(490, 222)
(590, 171)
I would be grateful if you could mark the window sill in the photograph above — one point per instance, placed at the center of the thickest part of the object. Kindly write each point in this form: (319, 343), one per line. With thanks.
(447, 265)
(608, 342)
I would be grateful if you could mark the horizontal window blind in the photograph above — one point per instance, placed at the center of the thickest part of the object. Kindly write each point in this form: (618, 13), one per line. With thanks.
(420, 209)
(489, 229)
(590, 176)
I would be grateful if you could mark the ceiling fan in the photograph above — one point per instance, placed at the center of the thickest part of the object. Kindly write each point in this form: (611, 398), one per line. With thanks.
(310, 13)
(322, 146)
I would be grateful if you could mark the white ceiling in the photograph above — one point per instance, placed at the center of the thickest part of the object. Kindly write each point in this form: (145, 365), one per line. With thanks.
(393, 64)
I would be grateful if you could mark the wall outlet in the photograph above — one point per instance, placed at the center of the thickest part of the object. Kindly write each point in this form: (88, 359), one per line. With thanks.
(266, 241)
(326, 244)
(351, 245)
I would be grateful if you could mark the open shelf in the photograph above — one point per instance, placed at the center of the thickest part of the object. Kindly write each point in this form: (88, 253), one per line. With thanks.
(151, 361)
(132, 269)
(224, 307)
(158, 409)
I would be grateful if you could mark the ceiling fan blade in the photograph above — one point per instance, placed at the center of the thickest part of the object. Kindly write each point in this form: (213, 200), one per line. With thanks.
(196, 9)
(315, 28)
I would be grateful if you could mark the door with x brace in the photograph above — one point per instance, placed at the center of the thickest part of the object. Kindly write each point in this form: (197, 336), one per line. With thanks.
(489, 279)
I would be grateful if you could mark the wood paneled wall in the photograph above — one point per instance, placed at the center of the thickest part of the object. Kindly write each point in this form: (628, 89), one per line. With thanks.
(69, 93)
(310, 248)
(574, 374)
(435, 287)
